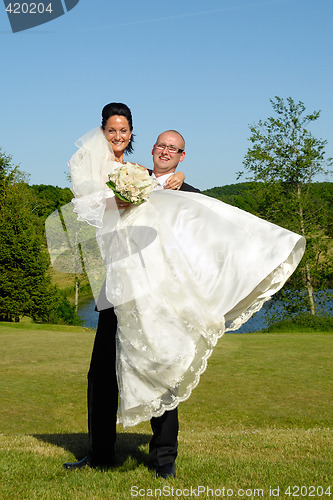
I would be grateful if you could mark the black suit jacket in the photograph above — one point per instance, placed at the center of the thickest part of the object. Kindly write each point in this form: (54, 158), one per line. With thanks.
(188, 187)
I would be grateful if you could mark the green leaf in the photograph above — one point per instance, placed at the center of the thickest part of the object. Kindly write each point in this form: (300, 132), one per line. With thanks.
(111, 185)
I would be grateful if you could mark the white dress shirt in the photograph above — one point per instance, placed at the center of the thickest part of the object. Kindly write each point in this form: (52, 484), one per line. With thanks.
(161, 180)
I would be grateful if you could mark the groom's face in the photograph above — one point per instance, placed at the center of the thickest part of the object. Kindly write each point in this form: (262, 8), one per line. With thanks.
(164, 160)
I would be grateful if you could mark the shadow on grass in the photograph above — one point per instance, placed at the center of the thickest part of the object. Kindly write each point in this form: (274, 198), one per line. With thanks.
(127, 445)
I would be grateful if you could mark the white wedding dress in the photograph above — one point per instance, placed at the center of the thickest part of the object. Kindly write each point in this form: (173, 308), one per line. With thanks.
(181, 269)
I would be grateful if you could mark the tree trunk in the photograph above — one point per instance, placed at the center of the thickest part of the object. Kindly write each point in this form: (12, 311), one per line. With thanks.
(307, 273)
(77, 288)
(309, 289)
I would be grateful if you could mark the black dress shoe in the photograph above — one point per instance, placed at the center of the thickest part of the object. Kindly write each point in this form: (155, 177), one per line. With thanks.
(89, 462)
(165, 471)
(85, 462)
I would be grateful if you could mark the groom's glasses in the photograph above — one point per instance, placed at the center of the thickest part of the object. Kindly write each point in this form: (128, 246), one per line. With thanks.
(171, 149)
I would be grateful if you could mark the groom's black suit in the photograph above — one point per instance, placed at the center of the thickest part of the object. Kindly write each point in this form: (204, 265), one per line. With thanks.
(103, 399)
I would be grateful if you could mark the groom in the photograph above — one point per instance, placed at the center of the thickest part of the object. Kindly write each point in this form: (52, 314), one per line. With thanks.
(167, 152)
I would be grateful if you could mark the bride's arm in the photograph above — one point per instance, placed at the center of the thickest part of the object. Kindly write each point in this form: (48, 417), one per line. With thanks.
(175, 181)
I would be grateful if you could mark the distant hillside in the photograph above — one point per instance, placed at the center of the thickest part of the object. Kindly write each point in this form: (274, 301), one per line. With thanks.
(50, 198)
(247, 195)
(244, 195)
(239, 195)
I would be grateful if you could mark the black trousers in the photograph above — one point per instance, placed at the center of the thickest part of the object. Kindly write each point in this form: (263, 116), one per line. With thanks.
(103, 403)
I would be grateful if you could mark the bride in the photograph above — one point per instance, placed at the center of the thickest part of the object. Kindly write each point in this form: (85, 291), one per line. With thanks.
(181, 269)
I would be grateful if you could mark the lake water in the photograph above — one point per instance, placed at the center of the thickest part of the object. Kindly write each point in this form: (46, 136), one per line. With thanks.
(254, 324)
(90, 318)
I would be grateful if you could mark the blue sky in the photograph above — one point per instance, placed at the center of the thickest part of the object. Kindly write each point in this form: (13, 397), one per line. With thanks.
(207, 69)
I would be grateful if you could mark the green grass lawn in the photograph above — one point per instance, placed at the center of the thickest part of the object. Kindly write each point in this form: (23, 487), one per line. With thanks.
(260, 419)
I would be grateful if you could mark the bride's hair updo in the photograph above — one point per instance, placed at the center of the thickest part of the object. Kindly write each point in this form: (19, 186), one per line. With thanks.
(120, 109)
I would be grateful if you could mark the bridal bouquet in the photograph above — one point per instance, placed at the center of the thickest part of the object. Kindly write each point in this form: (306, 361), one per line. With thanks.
(131, 182)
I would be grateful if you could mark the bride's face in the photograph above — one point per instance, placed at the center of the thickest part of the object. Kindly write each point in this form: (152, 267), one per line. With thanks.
(117, 132)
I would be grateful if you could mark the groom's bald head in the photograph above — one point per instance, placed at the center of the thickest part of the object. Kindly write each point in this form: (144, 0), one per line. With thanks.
(168, 151)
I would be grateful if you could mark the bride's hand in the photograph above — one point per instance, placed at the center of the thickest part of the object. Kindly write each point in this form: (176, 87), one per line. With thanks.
(122, 204)
(117, 203)
(175, 181)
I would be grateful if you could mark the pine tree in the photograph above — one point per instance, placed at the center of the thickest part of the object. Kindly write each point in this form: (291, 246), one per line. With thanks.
(25, 284)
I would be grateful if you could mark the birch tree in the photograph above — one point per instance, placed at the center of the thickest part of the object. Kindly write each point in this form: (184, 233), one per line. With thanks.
(286, 159)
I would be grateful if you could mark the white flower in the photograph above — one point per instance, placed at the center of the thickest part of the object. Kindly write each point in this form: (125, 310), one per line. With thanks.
(132, 182)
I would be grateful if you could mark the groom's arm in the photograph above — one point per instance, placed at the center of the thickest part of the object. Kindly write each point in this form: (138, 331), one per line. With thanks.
(188, 187)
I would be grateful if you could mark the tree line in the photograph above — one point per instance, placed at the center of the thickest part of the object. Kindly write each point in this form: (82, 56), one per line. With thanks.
(283, 161)
(26, 287)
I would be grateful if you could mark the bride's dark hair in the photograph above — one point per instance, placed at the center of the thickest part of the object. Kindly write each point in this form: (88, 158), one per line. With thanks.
(118, 108)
